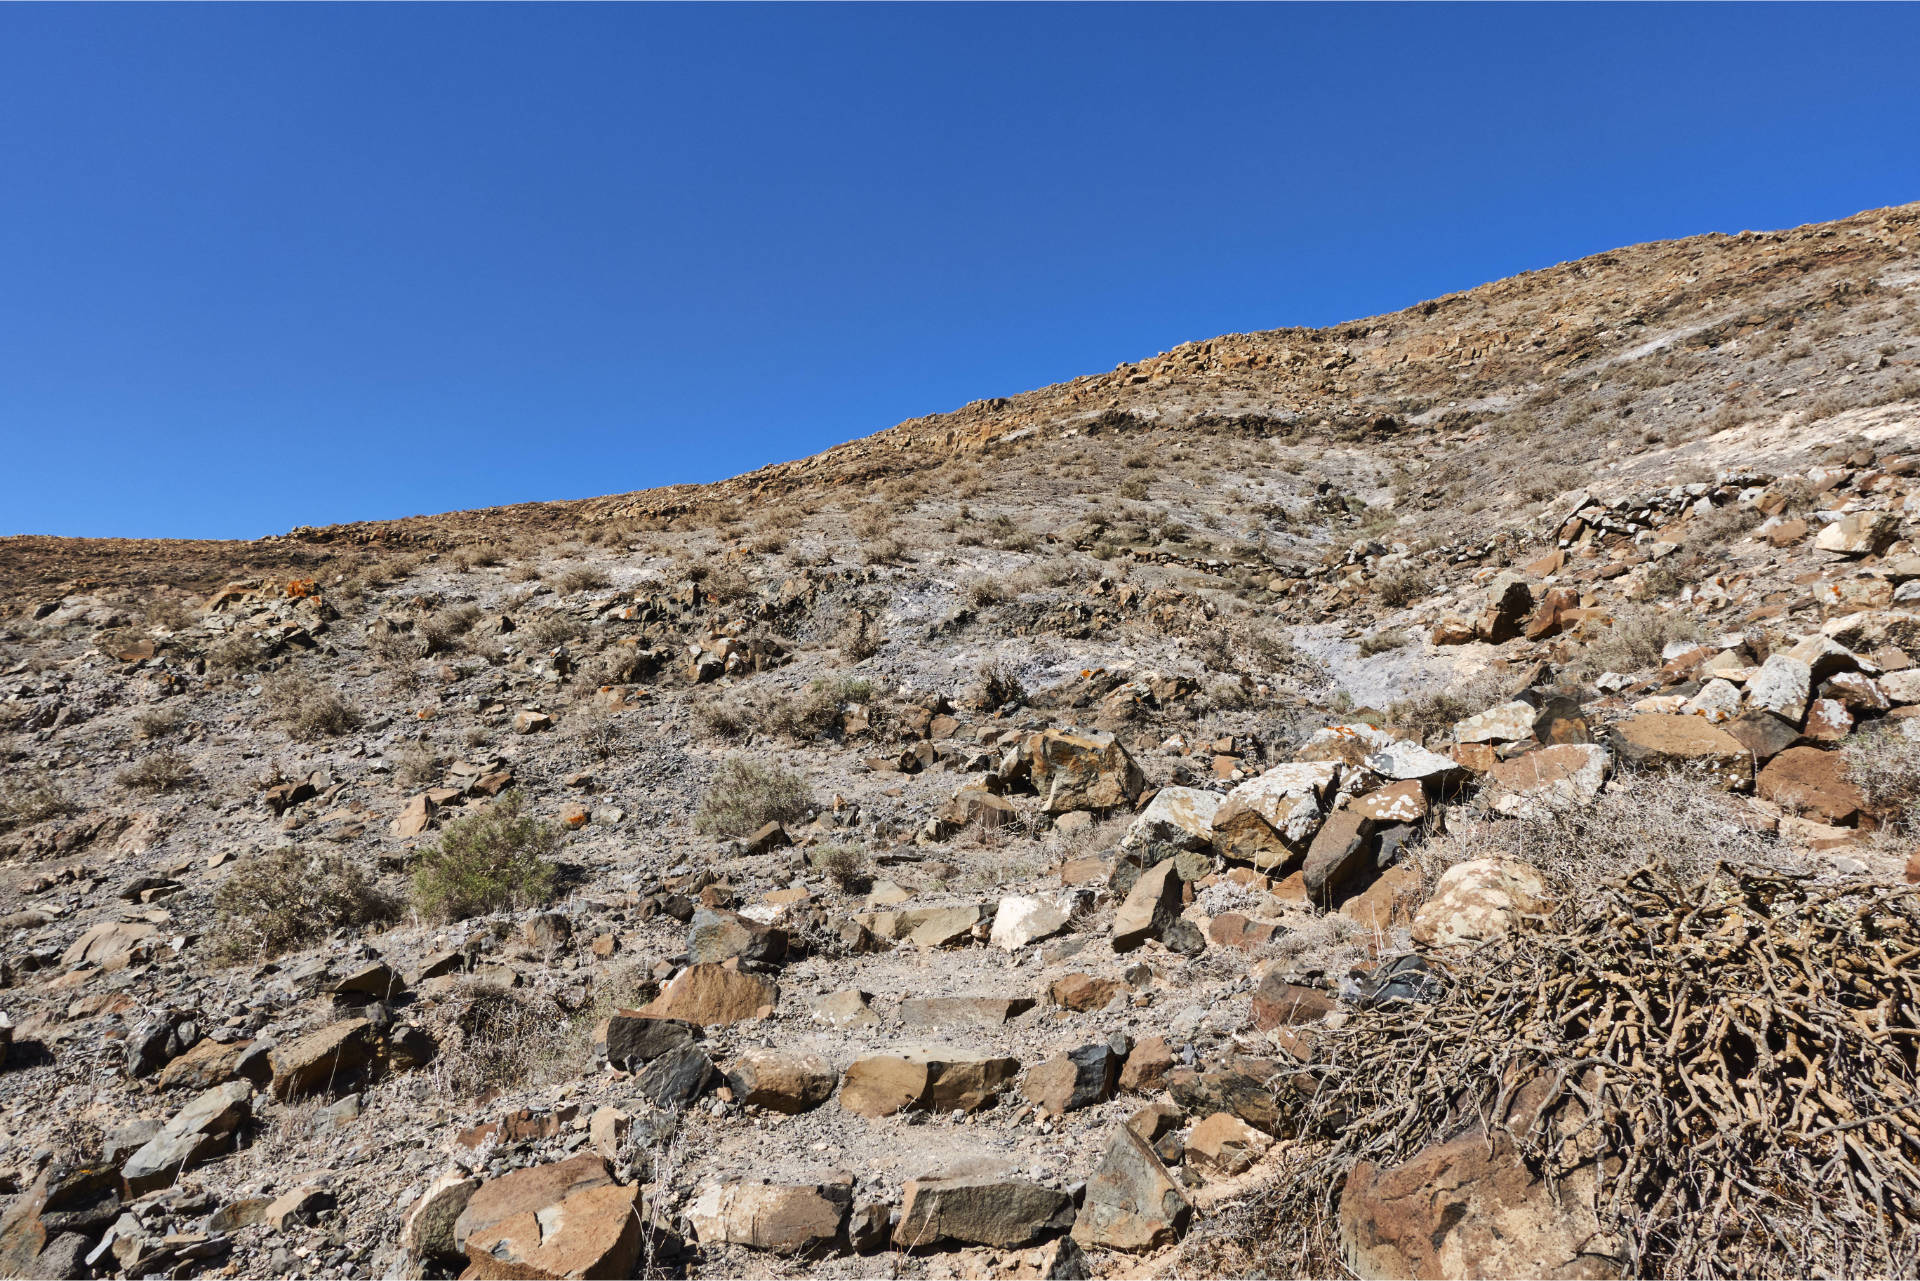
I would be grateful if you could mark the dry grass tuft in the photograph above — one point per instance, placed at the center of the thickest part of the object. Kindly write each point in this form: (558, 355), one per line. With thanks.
(746, 795)
(289, 899)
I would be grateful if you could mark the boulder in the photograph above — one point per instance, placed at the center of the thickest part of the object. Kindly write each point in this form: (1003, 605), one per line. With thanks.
(983, 1210)
(1858, 534)
(785, 1218)
(1509, 601)
(676, 1078)
(1022, 919)
(1147, 1066)
(1074, 1080)
(1074, 771)
(1549, 778)
(714, 937)
(710, 995)
(1809, 781)
(1763, 734)
(1403, 761)
(110, 945)
(844, 1009)
(938, 1078)
(1654, 741)
(1083, 993)
(1131, 1202)
(781, 1080)
(1479, 901)
(1203, 1092)
(1179, 816)
(329, 1060)
(564, 1219)
(210, 1063)
(207, 1127)
(1404, 802)
(1269, 820)
(1152, 905)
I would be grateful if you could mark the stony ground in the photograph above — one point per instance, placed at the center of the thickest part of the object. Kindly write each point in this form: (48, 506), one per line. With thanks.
(935, 858)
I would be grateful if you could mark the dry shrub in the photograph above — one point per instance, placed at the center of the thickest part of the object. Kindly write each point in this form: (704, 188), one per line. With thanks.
(1252, 646)
(729, 719)
(1739, 1048)
(1381, 642)
(159, 721)
(726, 583)
(236, 653)
(307, 708)
(999, 684)
(1634, 641)
(505, 1038)
(491, 861)
(746, 795)
(984, 592)
(550, 631)
(445, 630)
(290, 899)
(815, 713)
(1435, 711)
(1399, 587)
(162, 770)
(1884, 762)
(582, 578)
(417, 765)
(844, 865)
(29, 796)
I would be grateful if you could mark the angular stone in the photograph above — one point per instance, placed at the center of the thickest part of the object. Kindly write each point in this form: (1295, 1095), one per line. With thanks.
(203, 1129)
(999, 1212)
(1763, 734)
(1654, 741)
(1083, 993)
(427, 1231)
(299, 1207)
(1404, 802)
(784, 1218)
(1022, 919)
(714, 937)
(1549, 778)
(926, 1013)
(1147, 1066)
(1809, 781)
(634, 1040)
(1342, 851)
(565, 1219)
(1223, 1145)
(940, 1079)
(1781, 686)
(1506, 723)
(1235, 1092)
(782, 1081)
(1858, 534)
(1179, 816)
(1388, 903)
(676, 1078)
(711, 996)
(1509, 600)
(108, 945)
(1068, 1082)
(1131, 1202)
(1479, 901)
(330, 1059)
(845, 1009)
(1269, 820)
(1278, 1003)
(210, 1063)
(1082, 771)
(1403, 761)
(946, 926)
(1152, 904)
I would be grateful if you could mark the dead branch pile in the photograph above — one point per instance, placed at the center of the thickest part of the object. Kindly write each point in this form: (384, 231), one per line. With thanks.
(1744, 1048)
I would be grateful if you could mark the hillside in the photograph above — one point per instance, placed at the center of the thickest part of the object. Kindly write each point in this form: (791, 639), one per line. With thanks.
(1431, 796)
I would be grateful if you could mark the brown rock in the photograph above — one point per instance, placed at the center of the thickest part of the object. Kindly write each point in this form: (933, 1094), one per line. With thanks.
(329, 1060)
(934, 1078)
(1152, 904)
(1068, 1082)
(1000, 1212)
(1810, 781)
(1083, 993)
(565, 1219)
(711, 995)
(1278, 1003)
(1223, 1145)
(1341, 853)
(785, 1218)
(782, 1081)
(1131, 1202)
(1147, 1066)
(1082, 771)
(210, 1063)
(1654, 741)
(1388, 903)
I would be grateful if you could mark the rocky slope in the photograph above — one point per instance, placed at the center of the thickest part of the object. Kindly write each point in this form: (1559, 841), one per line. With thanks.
(979, 850)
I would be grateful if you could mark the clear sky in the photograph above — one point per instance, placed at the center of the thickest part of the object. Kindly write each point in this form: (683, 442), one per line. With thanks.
(270, 265)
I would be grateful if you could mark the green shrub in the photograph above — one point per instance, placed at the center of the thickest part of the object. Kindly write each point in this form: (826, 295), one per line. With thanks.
(746, 795)
(289, 899)
(490, 861)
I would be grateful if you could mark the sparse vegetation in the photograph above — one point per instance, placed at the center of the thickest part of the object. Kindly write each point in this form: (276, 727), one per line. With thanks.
(1884, 762)
(746, 795)
(29, 796)
(844, 865)
(490, 861)
(285, 899)
(308, 708)
(999, 684)
(159, 770)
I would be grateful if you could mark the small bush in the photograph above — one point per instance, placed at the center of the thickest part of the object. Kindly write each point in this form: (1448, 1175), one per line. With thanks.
(307, 708)
(1884, 762)
(844, 865)
(31, 796)
(999, 685)
(550, 631)
(236, 653)
(730, 719)
(582, 578)
(289, 899)
(494, 860)
(746, 795)
(1398, 588)
(159, 722)
(417, 765)
(1435, 711)
(1635, 641)
(445, 630)
(983, 592)
(815, 712)
(1380, 642)
(164, 770)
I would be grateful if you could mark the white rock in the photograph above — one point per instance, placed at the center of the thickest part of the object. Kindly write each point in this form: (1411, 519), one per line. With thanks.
(1782, 686)
(1478, 901)
(1718, 701)
(1176, 816)
(1023, 919)
(1507, 723)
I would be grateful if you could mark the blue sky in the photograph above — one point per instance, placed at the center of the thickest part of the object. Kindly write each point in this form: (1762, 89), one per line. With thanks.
(267, 266)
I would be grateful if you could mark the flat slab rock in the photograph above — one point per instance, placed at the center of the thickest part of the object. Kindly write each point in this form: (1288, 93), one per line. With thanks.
(937, 1078)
